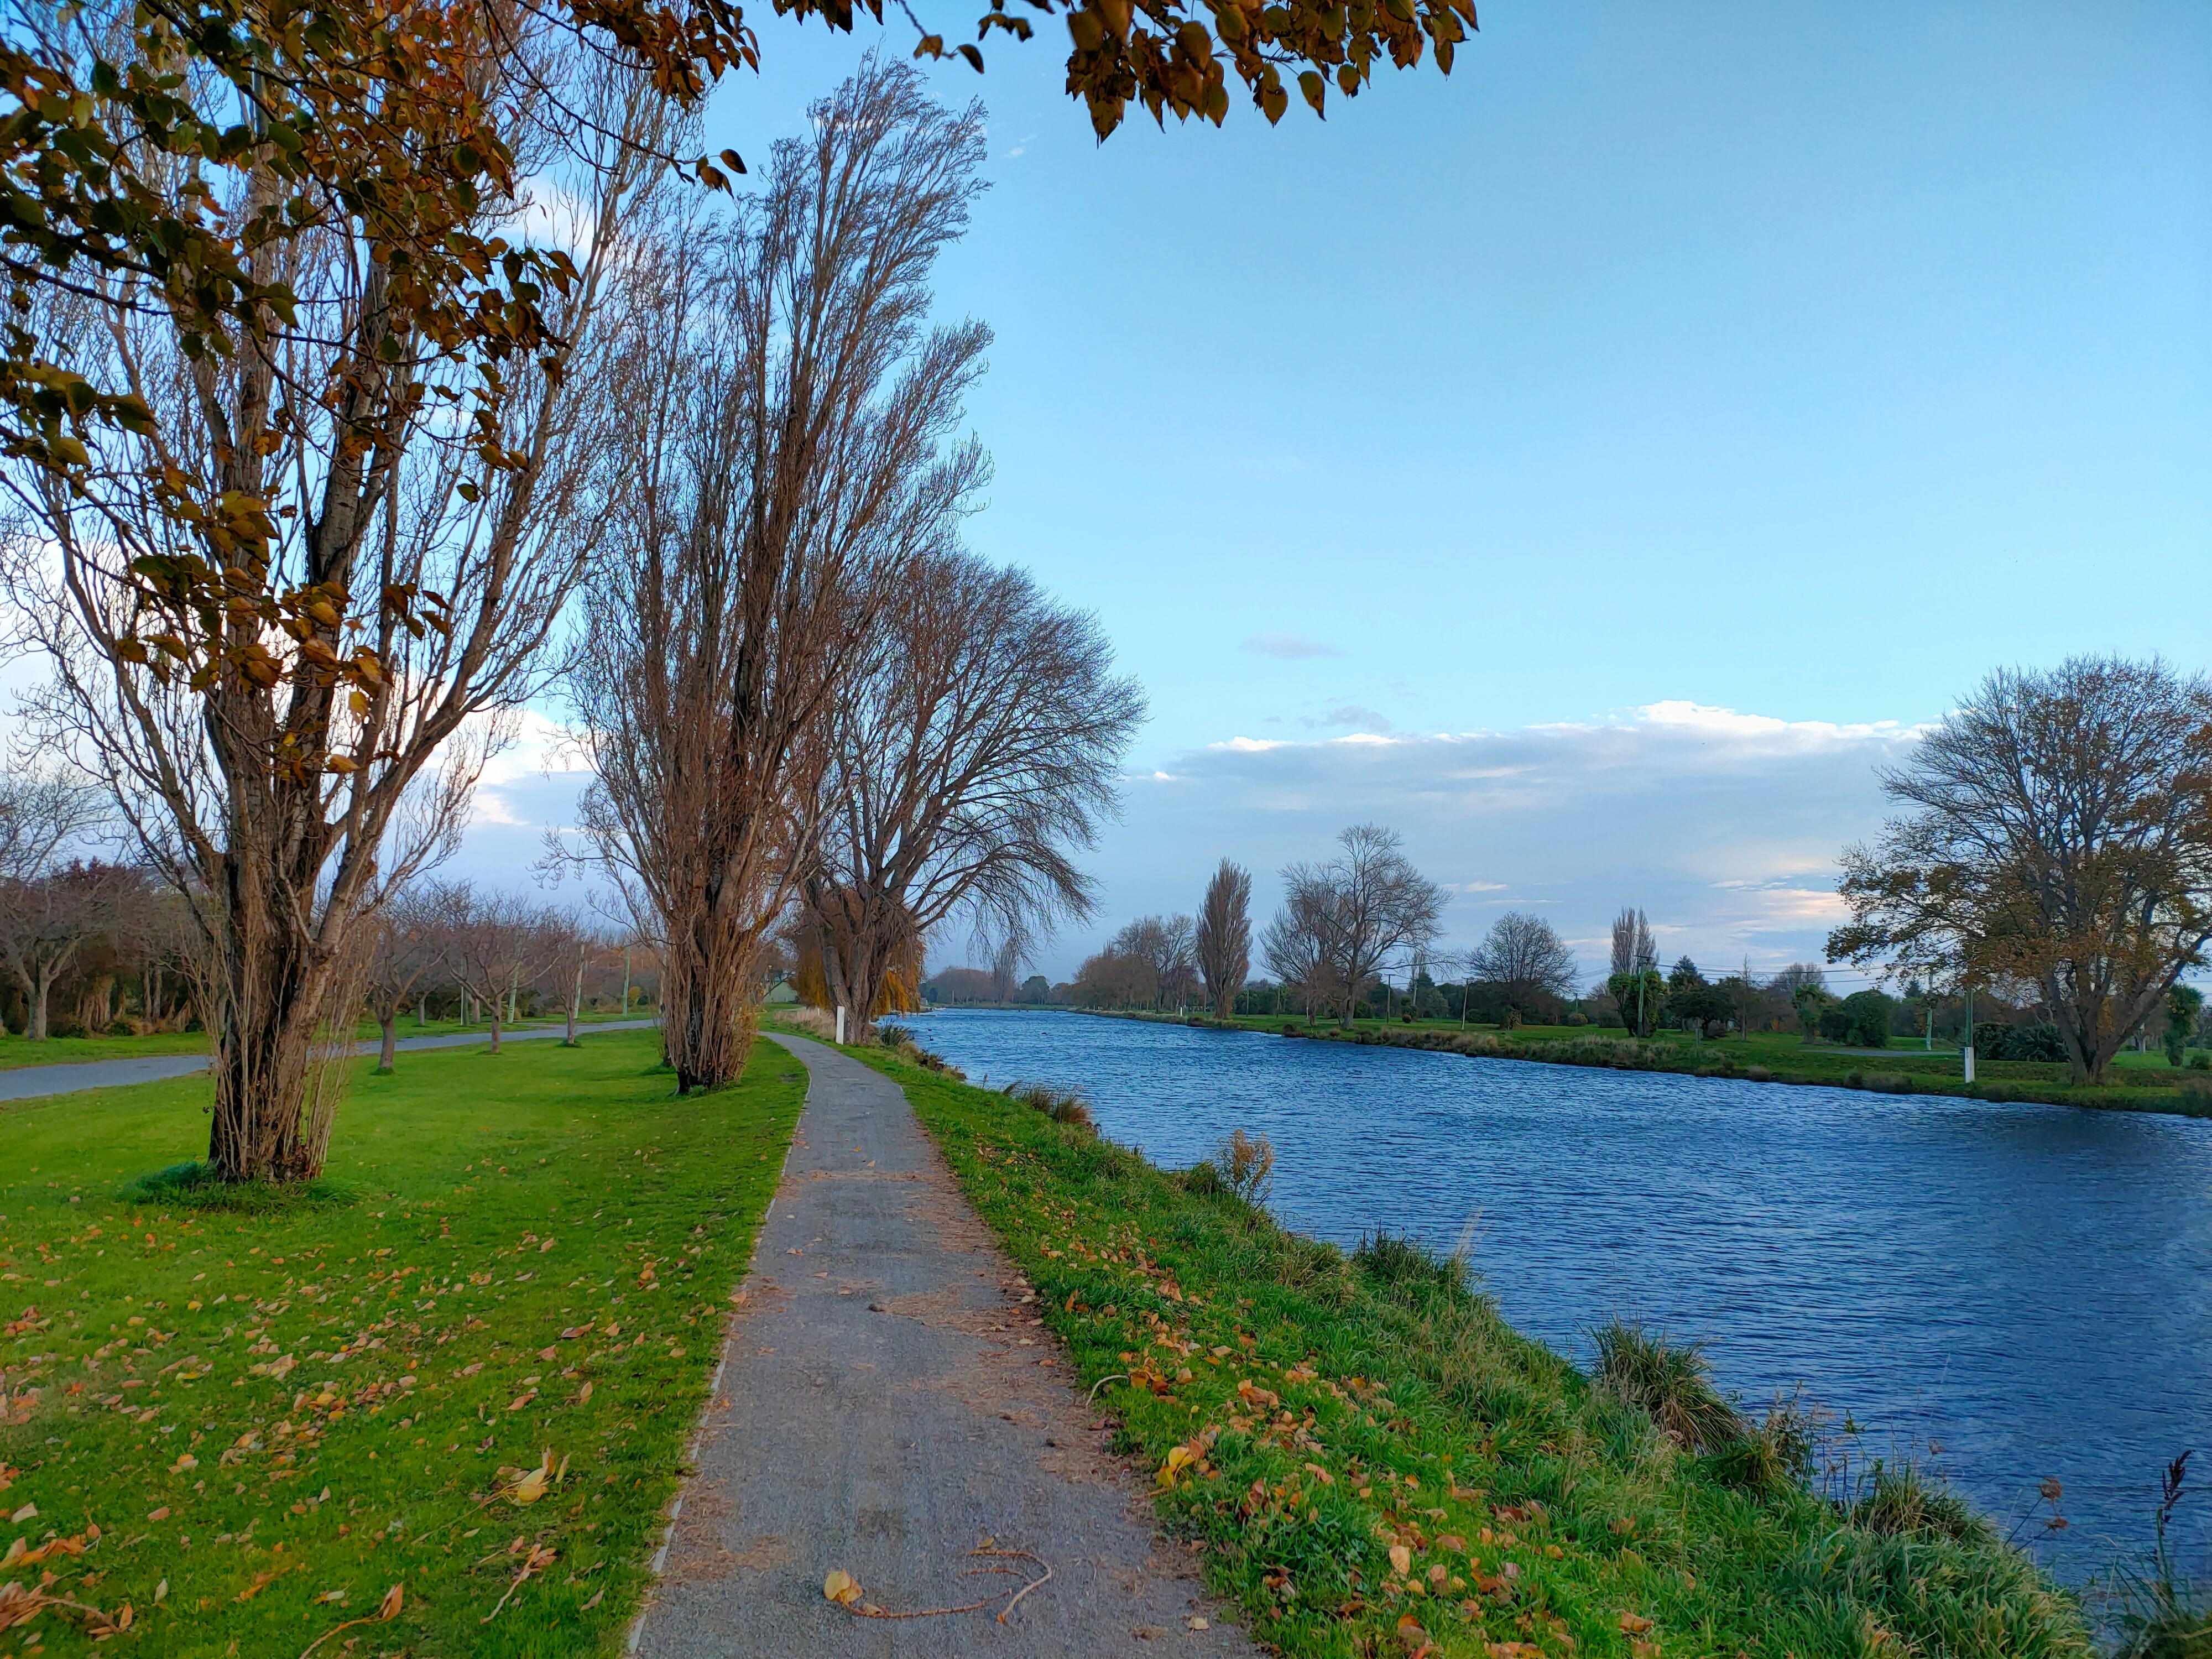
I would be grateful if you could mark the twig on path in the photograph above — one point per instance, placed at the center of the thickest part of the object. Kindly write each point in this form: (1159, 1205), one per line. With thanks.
(847, 1594)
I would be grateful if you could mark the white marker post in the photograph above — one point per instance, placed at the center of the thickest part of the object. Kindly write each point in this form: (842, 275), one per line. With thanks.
(840, 1026)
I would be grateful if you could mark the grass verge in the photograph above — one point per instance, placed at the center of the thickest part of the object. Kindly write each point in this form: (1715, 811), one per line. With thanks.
(254, 1420)
(1378, 1464)
(16, 1052)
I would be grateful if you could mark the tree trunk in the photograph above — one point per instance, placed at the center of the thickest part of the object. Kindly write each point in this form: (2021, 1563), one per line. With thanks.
(41, 982)
(390, 1021)
(575, 1001)
(495, 1011)
(283, 1013)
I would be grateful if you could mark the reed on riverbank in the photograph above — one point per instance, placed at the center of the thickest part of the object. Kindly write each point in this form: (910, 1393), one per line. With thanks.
(1376, 1463)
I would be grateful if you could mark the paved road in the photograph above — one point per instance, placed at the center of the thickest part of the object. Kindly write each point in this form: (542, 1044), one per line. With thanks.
(26, 1082)
(886, 1403)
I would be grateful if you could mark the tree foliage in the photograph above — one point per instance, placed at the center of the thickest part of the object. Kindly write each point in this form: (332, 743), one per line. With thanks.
(2059, 835)
(1362, 908)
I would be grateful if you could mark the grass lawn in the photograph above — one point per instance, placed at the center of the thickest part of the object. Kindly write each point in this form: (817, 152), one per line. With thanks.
(1375, 1460)
(16, 1051)
(254, 1423)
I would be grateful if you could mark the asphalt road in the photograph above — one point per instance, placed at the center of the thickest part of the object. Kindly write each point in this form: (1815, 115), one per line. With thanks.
(886, 1402)
(28, 1082)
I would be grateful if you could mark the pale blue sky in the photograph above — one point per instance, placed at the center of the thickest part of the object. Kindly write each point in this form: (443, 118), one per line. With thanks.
(1800, 361)
(1641, 431)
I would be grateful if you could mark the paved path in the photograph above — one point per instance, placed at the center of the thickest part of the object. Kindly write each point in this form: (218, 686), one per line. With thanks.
(886, 1403)
(26, 1082)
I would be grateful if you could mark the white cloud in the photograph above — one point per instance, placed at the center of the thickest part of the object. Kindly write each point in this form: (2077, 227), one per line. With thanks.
(1724, 826)
(1287, 647)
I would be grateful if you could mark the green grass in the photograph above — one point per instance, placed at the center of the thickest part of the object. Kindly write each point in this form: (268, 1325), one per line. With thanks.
(17, 1051)
(1362, 1443)
(509, 1255)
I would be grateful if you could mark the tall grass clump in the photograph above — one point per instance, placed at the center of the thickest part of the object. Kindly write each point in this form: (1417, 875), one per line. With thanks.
(1241, 1166)
(1670, 1383)
(2161, 1615)
(1062, 1106)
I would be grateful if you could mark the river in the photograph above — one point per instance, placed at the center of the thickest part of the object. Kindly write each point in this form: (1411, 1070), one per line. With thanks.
(2026, 1290)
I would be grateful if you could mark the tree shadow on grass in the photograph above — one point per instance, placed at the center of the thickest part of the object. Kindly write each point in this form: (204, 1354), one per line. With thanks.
(196, 1185)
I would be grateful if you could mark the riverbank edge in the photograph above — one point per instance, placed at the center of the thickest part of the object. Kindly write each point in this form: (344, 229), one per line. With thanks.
(1226, 1319)
(1631, 1054)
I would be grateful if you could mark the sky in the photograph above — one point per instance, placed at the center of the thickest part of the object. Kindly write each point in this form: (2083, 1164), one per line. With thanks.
(1596, 464)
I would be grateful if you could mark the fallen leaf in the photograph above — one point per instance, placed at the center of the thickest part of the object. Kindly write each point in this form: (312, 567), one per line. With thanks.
(521, 1401)
(841, 1587)
(1634, 1624)
(531, 1486)
(583, 1393)
(597, 1595)
(161, 1514)
(1454, 1542)
(1402, 1559)
(1321, 1474)
(331, 1595)
(28, 1512)
(546, 1246)
(160, 1592)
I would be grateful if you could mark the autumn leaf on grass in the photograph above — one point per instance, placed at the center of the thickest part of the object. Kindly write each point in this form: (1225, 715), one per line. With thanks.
(1180, 1460)
(528, 1486)
(1634, 1624)
(1402, 1559)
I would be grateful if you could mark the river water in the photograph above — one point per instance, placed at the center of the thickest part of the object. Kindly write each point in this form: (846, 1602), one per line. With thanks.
(2026, 1289)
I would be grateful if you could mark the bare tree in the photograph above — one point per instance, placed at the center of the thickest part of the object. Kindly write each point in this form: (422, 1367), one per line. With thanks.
(2061, 835)
(1291, 948)
(1005, 969)
(342, 535)
(969, 762)
(406, 928)
(1634, 951)
(495, 945)
(46, 920)
(791, 420)
(39, 817)
(1224, 939)
(1363, 906)
(1525, 954)
(1164, 944)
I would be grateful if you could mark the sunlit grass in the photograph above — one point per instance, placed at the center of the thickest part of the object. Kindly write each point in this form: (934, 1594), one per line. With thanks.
(274, 1413)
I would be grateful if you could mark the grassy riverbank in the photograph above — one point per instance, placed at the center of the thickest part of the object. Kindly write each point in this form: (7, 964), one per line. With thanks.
(1374, 1460)
(255, 1424)
(1765, 1058)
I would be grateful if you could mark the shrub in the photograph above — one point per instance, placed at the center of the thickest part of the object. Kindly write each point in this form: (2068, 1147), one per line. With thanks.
(1901, 1502)
(1670, 1383)
(892, 1036)
(1777, 1455)
(1066, 1106)
(2196, 1094)
(2201, 1060)
(1402, 1262)
(1247, 1166)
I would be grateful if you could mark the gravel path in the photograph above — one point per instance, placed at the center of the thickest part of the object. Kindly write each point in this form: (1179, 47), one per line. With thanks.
(886, 1402)
(28, 1082)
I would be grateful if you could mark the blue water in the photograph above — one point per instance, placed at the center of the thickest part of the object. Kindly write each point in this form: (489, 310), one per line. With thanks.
(2027, 1288)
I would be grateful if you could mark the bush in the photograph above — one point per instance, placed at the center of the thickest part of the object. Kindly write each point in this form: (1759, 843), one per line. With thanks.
(1866, 1019)
(2200, 1061)
(1670, 1383)
(1247, 1164)
(1403, 1262)
(1066, 1106)
(2196, 1094)
(1898, 1503)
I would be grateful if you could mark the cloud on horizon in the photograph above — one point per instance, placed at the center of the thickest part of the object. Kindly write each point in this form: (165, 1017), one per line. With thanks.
(1724, 826)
